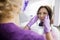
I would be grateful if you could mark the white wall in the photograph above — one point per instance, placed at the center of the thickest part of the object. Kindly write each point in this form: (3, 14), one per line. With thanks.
(57, 13)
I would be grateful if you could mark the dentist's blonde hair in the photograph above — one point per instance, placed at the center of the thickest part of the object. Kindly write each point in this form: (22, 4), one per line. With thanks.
(6, 9)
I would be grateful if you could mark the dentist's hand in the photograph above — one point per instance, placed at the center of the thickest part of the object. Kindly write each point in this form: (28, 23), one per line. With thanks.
(47, 27)
(32, 21)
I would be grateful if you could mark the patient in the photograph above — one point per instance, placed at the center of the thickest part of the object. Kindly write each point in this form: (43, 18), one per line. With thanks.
(9, 22)
(44, 15)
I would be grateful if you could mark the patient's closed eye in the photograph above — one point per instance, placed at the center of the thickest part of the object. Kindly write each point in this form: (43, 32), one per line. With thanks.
(45, 13)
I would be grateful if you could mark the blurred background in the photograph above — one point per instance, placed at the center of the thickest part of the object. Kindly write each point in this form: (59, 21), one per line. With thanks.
(30, 7)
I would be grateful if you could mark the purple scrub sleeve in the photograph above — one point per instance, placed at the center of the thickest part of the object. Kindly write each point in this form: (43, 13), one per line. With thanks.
(10, 31)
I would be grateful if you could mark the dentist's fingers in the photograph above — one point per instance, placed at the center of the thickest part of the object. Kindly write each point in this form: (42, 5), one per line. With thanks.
(47, 24)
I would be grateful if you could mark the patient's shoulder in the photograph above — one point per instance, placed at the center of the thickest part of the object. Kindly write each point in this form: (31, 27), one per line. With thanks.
(55, 33)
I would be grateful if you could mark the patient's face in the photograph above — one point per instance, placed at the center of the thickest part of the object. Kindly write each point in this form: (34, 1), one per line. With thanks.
(42, 13)
(9, 8)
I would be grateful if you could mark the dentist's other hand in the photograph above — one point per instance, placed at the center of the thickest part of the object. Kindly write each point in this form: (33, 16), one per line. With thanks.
(32, 21)
(47, 27)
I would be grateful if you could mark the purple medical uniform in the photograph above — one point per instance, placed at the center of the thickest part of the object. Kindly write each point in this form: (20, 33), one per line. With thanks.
(10, 31)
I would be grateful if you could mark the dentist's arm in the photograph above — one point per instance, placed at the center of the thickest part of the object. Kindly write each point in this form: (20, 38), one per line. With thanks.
(47, 28)
(31, 22)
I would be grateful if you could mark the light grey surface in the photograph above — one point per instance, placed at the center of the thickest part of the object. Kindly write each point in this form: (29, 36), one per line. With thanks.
(23, 18)
(34, 1)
